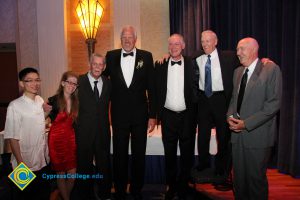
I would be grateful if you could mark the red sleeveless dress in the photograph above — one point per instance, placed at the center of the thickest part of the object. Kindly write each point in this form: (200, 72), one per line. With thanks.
(62, 146)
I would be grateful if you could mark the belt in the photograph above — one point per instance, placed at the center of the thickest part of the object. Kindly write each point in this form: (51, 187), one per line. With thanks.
(216, 92)
(175, 112)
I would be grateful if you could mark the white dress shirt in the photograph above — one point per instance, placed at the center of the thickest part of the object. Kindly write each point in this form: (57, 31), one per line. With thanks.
(216, 74)
(251, 69)
(99, 84)
(127, 66)
(25, 121)
(175, 87)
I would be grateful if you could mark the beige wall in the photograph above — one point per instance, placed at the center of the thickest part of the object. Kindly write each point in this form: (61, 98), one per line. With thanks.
(155, 26)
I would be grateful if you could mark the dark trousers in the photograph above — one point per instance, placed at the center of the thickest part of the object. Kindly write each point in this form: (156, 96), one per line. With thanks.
(88, 149)
(249, 171)
(212, 113)
(137, 133)
(178, 127)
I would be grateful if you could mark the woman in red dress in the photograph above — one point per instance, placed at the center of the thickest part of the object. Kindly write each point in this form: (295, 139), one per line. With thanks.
(62, 146)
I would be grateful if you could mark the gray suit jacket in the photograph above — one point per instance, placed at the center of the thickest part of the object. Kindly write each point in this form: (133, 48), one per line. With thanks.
(261, 102)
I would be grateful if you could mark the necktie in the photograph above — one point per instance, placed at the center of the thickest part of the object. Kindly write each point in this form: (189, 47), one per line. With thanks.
(127, 54)
(174, 62)
(242, 90)
(208, 84)
(96, 91)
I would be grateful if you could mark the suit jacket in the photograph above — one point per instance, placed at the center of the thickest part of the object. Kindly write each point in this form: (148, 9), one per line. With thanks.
(260, 105)
(93, 115)
(161, 85)
(228, 62)
(136, 103)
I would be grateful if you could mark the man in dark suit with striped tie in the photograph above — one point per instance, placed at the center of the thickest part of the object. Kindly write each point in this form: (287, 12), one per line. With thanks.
(214, 70)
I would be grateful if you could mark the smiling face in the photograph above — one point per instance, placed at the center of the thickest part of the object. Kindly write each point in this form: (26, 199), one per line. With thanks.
(176, 45)
(69, 85)
(247, 51)
(97, 66)
(209, 41)
(31, 84)
(128, 38)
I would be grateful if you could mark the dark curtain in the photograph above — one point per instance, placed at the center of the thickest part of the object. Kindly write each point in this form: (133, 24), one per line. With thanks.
(189, 18)
(289, 134)
(276, 26)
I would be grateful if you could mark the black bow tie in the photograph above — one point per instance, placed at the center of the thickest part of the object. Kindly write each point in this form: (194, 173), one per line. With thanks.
(173, 62)
(127, 54)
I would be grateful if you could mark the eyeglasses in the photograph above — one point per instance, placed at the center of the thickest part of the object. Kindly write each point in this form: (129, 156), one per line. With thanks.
(30, 81)
(71, 83)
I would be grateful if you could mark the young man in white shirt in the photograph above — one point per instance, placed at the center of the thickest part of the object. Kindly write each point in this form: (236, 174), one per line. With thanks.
(25, 131)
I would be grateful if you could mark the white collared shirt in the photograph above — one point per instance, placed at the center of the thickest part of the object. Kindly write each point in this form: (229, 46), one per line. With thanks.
(175, 87)
(25, 121)
(99, 84)
(251, 69)
(127, 66)
(216, 74)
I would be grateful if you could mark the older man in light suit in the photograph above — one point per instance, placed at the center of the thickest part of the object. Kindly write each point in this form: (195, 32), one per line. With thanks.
(252, 119)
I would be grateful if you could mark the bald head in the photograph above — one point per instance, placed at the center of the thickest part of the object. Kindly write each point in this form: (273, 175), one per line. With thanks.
(247, 51)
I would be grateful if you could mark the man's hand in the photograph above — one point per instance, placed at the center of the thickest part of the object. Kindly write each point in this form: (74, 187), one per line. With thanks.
(164, 58)
(151, 126)
(266, 61)
(47, 108)
(48, 123)
(236, 125)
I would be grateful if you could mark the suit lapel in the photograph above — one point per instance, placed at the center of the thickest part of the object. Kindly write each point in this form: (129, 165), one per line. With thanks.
(138, 58)
(186, 78)
(164, 75)
(253, 79)
(118, 65)
(104, 88)
(87, 86)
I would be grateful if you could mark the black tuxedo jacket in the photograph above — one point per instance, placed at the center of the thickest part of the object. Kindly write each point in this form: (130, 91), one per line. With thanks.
(161, 72)
(136, 103)
(93, 115)
(228, 62)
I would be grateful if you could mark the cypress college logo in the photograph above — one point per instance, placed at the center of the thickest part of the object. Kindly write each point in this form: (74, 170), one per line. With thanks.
(22, 176)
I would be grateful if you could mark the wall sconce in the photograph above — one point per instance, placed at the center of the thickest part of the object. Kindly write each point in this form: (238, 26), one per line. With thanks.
(89, 13)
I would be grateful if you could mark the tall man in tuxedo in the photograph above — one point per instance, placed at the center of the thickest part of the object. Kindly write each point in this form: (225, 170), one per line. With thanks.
(176, 111)
(92, 131)
(214, 70)
(252, 119)
(131, 72)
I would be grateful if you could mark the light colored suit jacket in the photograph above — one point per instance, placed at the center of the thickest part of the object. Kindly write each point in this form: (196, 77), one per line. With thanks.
(261, 102)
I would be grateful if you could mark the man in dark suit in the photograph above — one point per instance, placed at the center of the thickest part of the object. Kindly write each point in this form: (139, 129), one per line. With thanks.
(214, 70)
(131, 72)
(176, 111)
(93, 131)
(252, 118)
